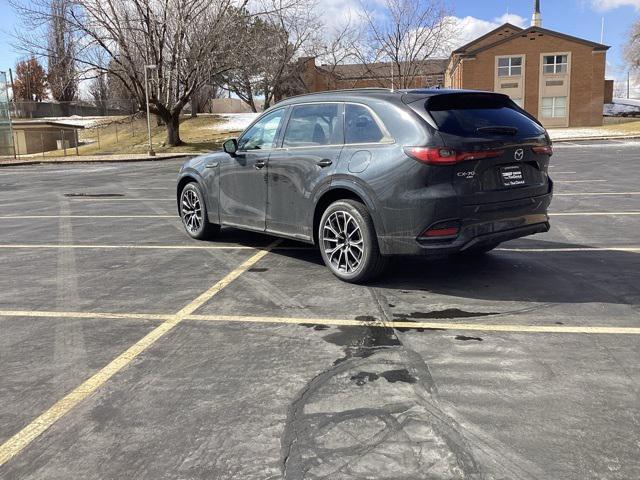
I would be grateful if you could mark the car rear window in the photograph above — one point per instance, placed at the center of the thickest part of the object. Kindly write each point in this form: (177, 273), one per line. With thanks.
(480, 115)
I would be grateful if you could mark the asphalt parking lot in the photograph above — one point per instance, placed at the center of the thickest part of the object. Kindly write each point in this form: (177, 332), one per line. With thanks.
(128, 350)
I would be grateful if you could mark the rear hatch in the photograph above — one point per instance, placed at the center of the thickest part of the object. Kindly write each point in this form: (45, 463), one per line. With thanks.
(513, 148)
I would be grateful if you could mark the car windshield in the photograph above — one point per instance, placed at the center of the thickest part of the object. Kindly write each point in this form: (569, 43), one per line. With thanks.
(480, 115)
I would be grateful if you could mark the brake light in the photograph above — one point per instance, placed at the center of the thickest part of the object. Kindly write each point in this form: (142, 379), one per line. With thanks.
(447, 156)
(442, 229)
(545, 150)
(440, 232)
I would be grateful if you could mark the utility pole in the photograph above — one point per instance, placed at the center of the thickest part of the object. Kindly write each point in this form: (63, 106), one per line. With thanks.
(146, 94)
(628, 84)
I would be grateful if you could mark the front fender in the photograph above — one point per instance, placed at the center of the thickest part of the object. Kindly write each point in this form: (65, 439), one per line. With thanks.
(206, 178)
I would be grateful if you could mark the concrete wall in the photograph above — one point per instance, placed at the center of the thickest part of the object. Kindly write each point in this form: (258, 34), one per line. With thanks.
(41, 140)
(52, 109)
(231, 105)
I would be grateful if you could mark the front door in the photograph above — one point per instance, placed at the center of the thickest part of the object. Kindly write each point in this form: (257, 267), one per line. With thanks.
(310, 150)
(243, 177)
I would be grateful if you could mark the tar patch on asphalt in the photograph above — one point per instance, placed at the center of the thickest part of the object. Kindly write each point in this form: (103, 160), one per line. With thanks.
(93, 195)
(391, 376)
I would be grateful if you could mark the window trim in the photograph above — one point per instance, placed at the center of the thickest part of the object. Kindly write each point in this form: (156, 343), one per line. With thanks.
(387, 137)
(342, 112)
(510, 67)
(277, 138)
(280, 144)
(553, 107)
(555, 65)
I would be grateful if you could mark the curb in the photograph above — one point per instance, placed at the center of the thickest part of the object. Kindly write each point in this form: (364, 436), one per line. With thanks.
(62, 160)
(587, 139)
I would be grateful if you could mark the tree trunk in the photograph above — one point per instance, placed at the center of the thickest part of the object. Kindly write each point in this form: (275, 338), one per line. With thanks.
(173, 131)
(194, 106)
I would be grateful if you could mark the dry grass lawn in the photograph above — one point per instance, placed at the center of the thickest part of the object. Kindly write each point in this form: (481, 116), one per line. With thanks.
(130, 136)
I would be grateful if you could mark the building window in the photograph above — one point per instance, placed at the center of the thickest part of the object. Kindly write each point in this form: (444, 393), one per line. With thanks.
(554, 107)
(509, 66)
(555, 64)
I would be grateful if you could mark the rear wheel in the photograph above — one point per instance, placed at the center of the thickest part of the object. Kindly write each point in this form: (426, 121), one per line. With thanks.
(348, 242)
(193, 213)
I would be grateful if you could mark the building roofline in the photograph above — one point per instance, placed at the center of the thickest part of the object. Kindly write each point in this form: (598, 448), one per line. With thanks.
(596, 46)
(463, 48)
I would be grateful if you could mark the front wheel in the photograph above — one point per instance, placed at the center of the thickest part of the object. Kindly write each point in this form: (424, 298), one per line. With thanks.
(193, 213)
(348, 243)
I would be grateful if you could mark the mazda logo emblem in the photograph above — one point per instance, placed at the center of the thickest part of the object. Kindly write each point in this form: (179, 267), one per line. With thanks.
(519, 154)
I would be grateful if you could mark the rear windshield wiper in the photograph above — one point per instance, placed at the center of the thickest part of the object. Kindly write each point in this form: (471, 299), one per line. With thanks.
(504, 129)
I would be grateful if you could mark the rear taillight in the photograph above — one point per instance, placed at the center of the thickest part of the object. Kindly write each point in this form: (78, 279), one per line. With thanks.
(447, 156)
(442, 229)
(545, 150)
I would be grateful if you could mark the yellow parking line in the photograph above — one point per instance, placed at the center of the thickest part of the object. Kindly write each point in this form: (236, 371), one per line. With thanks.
(129, 246)
(24, 437)
(426, 325)
(20, 217)
(590, 214)
(149, 247)
(187, 314)
(578, 181)
(581, 194)
(117, 199)
(571, 249)
(84, 315)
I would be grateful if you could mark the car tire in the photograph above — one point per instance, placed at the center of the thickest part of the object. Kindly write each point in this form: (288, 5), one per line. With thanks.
(193, 212)
(348, 242)
(478, 251)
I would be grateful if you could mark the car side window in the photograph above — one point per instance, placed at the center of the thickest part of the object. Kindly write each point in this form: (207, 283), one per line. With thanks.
(262, 135)
(361, 126)
(313, 125)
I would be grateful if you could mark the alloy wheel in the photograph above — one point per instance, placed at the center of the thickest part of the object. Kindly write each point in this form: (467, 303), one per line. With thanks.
(191, 211)
(343, 242)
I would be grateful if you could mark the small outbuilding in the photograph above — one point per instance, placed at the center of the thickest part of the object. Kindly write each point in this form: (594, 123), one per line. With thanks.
(35, 136)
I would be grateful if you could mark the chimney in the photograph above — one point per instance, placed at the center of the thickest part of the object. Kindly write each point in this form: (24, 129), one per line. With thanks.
(536, 19)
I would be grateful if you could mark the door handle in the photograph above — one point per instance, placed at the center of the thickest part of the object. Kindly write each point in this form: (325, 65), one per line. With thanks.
(211, 165)
(259, 164)
(325, 162)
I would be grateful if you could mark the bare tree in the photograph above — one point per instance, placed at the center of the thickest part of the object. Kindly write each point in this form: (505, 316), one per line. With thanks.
(632, 47)
(99, 91)
(404, 33)
(268, 45)
(61, 72)
(188, 41)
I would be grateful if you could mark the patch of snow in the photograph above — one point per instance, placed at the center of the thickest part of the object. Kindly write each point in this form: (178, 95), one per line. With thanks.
(622, 107)
(627, 101)
(586, 133)
(79, 121)
(233, 122)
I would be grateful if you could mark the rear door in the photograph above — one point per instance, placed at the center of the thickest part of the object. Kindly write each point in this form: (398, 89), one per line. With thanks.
(311, 146)
(506, 161)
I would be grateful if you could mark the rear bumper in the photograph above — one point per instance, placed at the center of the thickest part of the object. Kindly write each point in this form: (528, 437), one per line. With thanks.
(479, 225)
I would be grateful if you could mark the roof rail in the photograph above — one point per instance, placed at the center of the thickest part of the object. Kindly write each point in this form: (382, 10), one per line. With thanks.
(361, 89)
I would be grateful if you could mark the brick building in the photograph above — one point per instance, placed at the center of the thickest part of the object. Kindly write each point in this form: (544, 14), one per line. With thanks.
(317, 78)
(558, 78)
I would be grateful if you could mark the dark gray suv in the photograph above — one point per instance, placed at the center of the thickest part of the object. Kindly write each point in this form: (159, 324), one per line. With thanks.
(366, 174)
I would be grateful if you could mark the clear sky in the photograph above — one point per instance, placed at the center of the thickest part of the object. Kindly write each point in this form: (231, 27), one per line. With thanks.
(581, 18)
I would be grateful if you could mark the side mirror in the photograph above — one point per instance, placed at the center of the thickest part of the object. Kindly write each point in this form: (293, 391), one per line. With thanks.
(230, 146)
